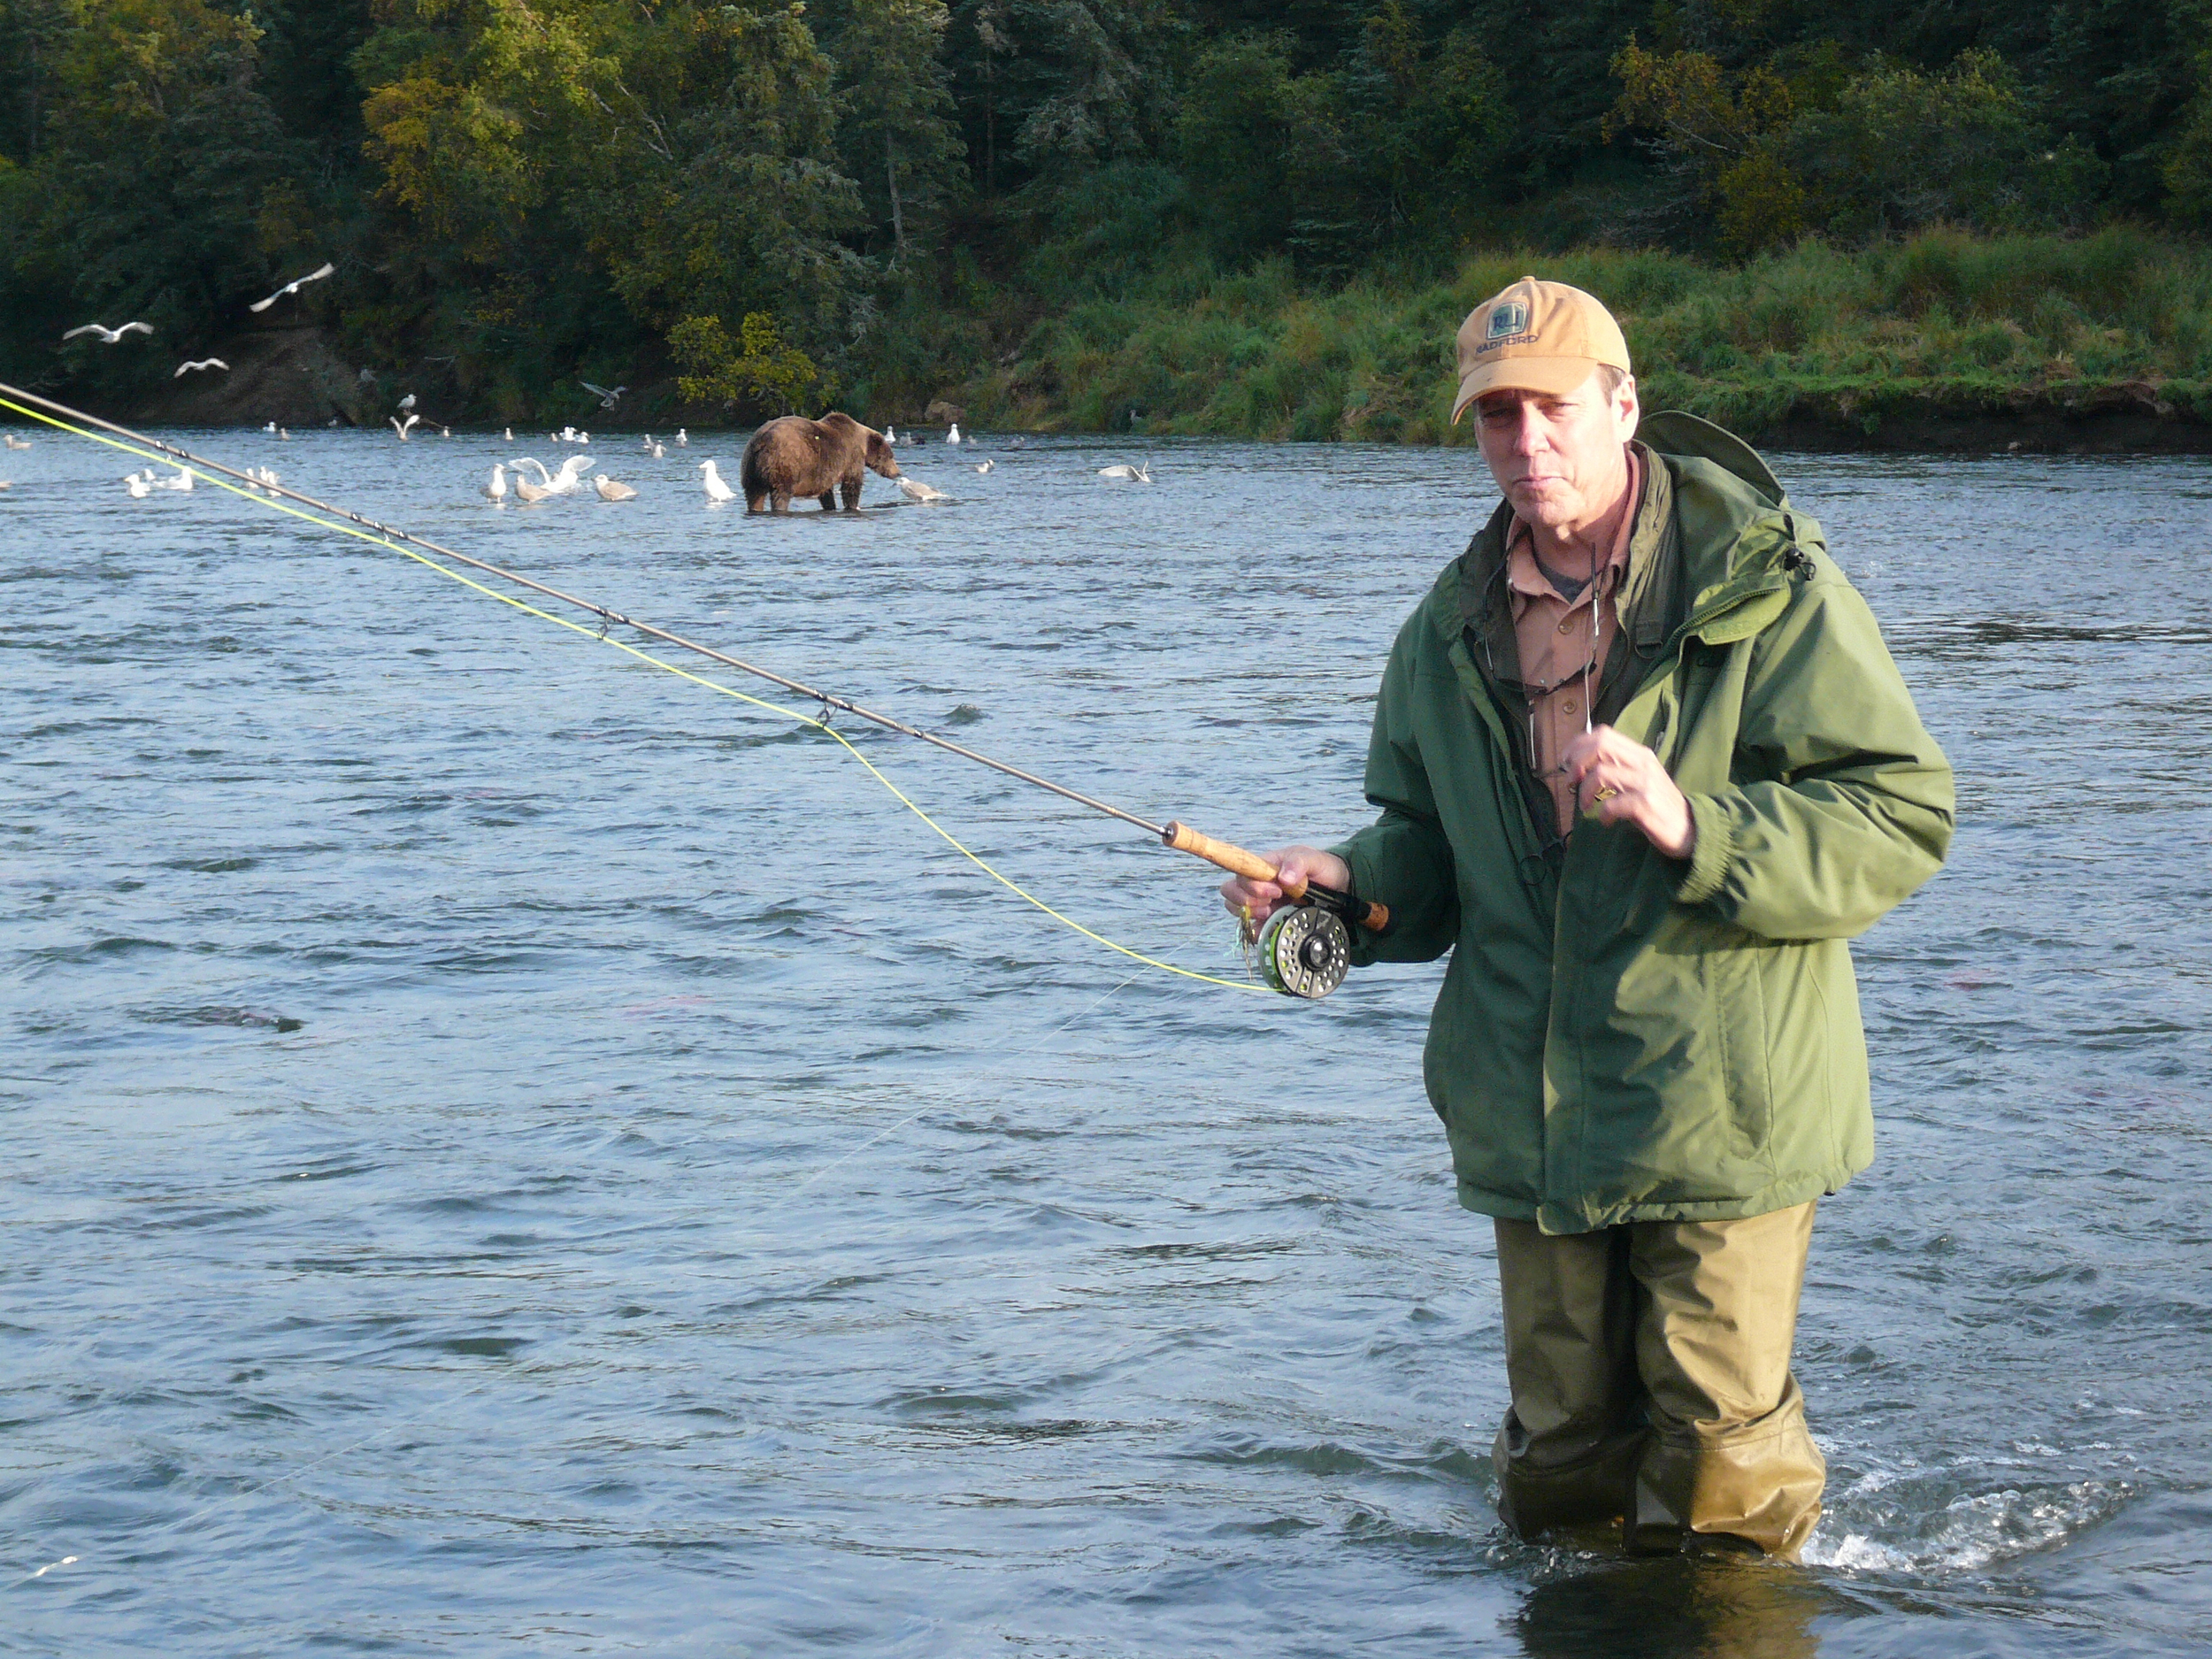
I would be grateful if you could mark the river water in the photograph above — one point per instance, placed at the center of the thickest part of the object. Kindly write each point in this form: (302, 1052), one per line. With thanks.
(511, 1151)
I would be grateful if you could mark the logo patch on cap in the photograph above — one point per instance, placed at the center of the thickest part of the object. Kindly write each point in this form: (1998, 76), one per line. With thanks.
(1508, 319)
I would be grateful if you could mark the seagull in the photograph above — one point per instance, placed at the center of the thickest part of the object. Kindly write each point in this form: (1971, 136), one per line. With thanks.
(889, 436)
(401, 429)
(109, 336)
(681, 439)
(407, 402)
(182, 481)
(268, 477)
(608, 490)
(445, 432)
(716, 490)
(914, 489)
(606, 398)
(494, 488)
(953, 436)
(660, 452)
(561, 483)
(528, 491)
(285, 434)
(985, 467)
(270, 429)
(184, 369)
(138, 487)
(647, 445)
(15, 442)
(1128, 474)
(509, 434)
(293, 287)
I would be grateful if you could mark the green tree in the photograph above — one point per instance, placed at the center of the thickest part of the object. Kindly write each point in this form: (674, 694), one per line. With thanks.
(897, 133)
(686, 153)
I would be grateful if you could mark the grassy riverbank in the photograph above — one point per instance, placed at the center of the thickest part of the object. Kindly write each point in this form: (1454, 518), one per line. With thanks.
(1944, 340)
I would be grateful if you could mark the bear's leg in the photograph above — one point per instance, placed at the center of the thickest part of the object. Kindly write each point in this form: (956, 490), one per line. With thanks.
(782, 499)
(753, 500)
(828, 498)
(852, 491)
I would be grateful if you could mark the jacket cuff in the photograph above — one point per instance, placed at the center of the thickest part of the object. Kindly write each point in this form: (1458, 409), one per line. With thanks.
(1710, 857)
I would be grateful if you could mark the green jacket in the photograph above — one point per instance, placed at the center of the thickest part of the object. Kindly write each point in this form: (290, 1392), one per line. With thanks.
(1623, 1036)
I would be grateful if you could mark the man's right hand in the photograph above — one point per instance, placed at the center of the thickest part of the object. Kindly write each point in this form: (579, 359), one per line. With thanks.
(1243, 896)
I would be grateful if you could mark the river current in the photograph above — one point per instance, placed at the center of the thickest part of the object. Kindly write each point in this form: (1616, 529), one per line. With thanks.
(511, 1151)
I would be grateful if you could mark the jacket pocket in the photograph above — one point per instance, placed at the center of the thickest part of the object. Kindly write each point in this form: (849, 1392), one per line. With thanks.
(1738, 989)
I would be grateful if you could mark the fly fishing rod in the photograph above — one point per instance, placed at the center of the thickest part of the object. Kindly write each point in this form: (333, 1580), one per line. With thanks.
(1303, 950)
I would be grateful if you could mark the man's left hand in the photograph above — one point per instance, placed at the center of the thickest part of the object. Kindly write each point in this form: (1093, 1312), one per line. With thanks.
(1617, 779)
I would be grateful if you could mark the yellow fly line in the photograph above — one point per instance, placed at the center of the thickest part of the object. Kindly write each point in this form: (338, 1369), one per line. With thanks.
(375, 539)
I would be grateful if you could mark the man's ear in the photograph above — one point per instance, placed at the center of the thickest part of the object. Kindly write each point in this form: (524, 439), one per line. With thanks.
(1627, 408)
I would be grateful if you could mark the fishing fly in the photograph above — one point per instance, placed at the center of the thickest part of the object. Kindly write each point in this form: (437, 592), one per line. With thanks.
(1303, 950)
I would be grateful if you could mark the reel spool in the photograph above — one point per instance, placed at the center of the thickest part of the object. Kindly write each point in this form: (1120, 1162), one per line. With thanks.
(1304, 950)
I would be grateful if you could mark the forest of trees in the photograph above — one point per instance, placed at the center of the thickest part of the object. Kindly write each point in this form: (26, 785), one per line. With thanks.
(753, 205)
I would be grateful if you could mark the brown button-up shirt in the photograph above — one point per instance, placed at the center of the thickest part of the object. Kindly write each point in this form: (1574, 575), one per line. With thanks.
(1563, 643)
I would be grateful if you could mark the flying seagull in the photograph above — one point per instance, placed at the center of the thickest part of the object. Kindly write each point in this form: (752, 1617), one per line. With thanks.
(293, 287)
(403, 430)
(1128, 474)
(184, 369)
(109, 336)
(606, 398)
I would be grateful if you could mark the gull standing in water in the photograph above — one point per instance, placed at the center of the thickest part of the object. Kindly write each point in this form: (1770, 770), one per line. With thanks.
(495, 488)
(716, 490)
(681, 439)
(953, 436)
(985, 467)
(914, 489)
(15, 442)
(608, 490)
(109, 336)
(293, 287)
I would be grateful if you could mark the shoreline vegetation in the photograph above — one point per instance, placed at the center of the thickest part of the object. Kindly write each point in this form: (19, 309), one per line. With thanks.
(1944, 340)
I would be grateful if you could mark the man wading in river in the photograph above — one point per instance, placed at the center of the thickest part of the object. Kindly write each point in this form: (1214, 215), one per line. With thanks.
(1643, 766)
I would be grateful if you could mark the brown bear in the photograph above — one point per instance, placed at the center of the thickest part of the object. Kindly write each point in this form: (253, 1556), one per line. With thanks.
(793, 456)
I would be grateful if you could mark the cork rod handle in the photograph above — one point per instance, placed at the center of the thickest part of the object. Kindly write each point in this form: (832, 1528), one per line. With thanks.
(1238, 862)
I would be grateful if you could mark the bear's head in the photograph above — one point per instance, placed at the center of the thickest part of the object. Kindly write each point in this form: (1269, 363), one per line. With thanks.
(881, 461)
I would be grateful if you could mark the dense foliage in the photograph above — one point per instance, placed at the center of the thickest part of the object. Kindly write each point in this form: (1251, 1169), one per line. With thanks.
(756, 204)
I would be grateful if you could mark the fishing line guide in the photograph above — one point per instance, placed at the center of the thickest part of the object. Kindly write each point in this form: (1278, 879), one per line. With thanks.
(1304, 950)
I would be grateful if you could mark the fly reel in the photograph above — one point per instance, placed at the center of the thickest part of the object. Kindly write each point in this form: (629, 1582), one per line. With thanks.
(1303, 950)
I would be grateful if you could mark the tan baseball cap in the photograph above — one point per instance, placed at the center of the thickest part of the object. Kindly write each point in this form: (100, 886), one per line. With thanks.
(1536, 337)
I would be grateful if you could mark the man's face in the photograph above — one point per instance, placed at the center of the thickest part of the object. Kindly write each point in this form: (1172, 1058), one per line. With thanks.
(1557, 456)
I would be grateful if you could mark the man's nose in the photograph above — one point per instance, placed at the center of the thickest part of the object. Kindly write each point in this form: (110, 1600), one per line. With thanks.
(1528, 431)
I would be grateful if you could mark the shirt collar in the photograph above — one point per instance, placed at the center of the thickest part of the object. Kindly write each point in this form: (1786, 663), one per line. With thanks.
(1525, 578)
